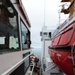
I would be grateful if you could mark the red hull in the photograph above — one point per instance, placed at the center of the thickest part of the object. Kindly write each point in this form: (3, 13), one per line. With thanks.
(62, 49)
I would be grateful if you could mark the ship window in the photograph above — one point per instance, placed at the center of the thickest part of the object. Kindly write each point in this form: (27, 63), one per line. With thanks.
(50, 34)
(2, 39)
(40, 33)
(25, 36)
(9, 31)
(12, 17)
(45, 33)
(26, 64)
(10, 9)
(13, 36)
(26, 61)
(0, 10)
(0, 1)
(13, 44)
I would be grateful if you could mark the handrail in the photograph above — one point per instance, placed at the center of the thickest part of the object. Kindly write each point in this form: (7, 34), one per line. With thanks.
(50, 67)
(9, 71)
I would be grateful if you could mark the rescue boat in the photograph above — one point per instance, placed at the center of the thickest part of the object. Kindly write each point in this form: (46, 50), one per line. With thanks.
(62, 48)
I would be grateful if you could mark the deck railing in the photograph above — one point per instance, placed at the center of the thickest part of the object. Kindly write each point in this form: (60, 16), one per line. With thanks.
(9, 71)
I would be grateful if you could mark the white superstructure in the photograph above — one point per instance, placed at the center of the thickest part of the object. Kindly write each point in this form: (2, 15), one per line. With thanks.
(47, 65)
(14, 38)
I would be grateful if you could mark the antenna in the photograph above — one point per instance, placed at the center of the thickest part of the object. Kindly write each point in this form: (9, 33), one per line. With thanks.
(44, 11)
(59, 16)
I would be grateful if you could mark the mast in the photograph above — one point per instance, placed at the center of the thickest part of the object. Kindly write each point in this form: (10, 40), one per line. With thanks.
(70, 10)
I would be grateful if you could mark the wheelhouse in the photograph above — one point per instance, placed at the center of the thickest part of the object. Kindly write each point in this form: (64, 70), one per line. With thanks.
(14, 26)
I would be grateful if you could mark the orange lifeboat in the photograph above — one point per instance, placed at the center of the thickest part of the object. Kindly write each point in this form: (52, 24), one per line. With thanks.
(62, 48)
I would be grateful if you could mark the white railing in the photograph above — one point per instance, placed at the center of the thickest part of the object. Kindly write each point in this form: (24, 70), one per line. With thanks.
(50, 67)
(9, 71)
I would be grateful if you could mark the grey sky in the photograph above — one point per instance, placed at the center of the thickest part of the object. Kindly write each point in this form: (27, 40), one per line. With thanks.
(35, 11)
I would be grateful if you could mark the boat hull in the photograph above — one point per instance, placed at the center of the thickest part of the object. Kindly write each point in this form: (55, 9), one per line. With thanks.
(63, 60)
